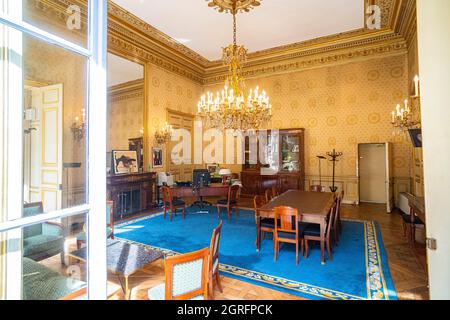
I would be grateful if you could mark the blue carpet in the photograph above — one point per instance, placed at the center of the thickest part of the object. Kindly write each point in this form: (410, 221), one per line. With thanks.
(359, 269)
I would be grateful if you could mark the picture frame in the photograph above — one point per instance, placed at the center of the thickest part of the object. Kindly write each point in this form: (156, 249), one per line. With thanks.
(157, 157)
(416, 137)
(124, 162)
(212, 168)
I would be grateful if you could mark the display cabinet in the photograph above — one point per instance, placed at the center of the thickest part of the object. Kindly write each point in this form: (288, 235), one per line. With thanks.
(273, 159)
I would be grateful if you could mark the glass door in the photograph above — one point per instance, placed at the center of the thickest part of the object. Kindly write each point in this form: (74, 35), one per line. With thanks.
(53, 81)
(290, 152)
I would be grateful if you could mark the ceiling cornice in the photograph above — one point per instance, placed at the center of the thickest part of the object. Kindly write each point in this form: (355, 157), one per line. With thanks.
(382, 45)
(127, 90)
(134, 39)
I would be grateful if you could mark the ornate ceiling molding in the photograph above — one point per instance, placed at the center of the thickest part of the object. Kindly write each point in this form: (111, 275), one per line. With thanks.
(394, 45)
(407, 25)
(233, 6)
(137, 25)
(125, 91)
(130, 37)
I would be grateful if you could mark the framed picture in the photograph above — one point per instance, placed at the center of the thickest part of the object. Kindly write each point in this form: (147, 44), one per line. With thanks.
(157, 157)
(124, 162)
(212, 168)
(416, 137)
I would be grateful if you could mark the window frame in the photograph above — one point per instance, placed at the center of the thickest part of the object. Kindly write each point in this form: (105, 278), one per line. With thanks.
(95, 150)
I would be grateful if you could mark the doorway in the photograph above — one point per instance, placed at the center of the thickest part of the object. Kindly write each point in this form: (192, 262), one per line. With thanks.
(43, 146)
(375, 174)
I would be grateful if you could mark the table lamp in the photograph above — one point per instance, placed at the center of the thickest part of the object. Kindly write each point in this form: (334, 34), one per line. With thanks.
(225, 172)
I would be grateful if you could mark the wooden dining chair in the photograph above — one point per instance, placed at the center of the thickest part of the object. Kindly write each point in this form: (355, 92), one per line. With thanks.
(230, 202)
(317, 188)
(186, 278)
(339, 211)
(171, 203)
(275, 191)
(269, 195)
(214, 275)
(337, 226)
(263, 225)
(287, 230)
(312, 233)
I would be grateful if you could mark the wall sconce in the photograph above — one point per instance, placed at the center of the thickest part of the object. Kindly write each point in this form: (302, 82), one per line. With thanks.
(78, 127)
(408, 116)
(164, 134)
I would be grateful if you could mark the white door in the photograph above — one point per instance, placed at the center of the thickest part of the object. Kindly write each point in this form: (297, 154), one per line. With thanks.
(372, 173)
(389, 179)
(46, 147)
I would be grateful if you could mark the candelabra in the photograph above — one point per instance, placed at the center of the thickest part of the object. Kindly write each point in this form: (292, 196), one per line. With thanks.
(408, 116)
(233, 108)
(164, 134)
(78, 127)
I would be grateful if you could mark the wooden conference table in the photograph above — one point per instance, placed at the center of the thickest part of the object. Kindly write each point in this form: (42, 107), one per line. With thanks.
(313, 207)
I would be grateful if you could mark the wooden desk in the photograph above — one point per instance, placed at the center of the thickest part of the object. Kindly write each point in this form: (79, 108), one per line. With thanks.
(214, 190)
(313, 207)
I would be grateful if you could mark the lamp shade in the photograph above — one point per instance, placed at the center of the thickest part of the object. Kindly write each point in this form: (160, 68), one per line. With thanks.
(225, 172)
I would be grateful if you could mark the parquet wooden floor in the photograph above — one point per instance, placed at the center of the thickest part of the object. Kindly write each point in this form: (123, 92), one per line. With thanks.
(407, 265)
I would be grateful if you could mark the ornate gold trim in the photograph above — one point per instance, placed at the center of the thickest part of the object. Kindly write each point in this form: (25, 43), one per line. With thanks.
(127, 88)
(233, 6)
(131, 37)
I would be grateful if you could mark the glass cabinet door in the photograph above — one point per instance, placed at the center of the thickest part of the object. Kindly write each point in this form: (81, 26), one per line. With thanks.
(251, 153)
(271, 152)
(290, 152)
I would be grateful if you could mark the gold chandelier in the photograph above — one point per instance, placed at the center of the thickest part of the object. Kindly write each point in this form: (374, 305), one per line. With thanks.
(231, 108)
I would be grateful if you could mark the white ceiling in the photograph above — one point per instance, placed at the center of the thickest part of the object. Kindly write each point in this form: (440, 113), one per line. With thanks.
(274, 23)
(121, 70)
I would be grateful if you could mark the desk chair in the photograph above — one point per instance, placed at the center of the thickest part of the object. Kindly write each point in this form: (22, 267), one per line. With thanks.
(172, 204)
(186, 278)
(230, 202)
(287, 230)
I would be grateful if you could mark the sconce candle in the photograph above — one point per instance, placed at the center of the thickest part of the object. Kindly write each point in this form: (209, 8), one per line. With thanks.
(416, 86)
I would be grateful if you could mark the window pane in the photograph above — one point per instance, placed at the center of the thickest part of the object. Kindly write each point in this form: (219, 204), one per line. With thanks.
(47, 253)
(67, 19)
(54, 141)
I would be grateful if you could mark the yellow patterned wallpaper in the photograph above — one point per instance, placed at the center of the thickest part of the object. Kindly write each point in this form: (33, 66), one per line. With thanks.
(125, 120)
(340, 107)
(168, 91)
(45, 63)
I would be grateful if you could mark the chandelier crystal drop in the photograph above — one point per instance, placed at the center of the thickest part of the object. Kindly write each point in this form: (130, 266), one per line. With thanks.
(232, 108)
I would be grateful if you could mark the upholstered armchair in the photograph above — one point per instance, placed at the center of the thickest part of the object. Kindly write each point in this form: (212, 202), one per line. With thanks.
(42, 241)
(186, 278)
